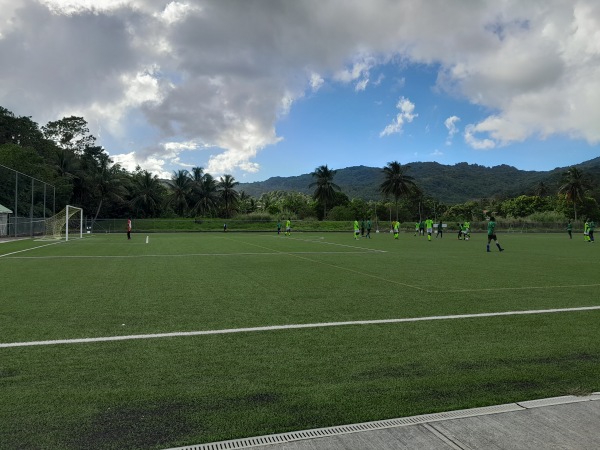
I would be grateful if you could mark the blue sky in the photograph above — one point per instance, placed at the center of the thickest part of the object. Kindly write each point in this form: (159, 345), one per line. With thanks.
(340, 127)
(262, 88)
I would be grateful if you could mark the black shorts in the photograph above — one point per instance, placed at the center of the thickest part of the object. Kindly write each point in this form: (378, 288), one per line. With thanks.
(492, 236)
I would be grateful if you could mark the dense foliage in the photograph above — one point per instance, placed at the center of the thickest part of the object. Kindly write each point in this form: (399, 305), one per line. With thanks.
(64, 155)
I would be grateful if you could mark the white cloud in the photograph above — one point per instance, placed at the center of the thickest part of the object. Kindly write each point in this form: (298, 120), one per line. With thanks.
(472, 140)
(316, 81)
(361, 85)
(405, 115)
(450, 124)
(175, 12)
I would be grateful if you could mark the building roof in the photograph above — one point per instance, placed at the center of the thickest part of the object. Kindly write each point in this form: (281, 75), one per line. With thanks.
(5, 210)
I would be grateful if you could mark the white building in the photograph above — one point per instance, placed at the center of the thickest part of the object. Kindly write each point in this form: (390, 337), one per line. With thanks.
(4, 212)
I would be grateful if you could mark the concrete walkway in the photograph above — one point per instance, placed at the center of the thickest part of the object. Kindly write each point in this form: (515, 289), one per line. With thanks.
(556, 423)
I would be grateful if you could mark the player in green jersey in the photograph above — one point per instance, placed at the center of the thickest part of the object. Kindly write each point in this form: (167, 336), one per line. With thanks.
(429, 227)
(570, 229)
(396, 228)
(591, 227)
(467, 230)
(356, 229)
(288, 227)
(492, 234)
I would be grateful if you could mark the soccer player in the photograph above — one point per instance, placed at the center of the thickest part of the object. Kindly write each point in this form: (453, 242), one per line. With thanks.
(368, 228)
(586, 230)
(429, 226)
(460, 228)
(396, 227)
(492, 234)
(362, 228)
(416, 228)
(278, 226)
(467, 230)
(439, 230)
(288, 227)
(570, 229)
(129, 228)
(356, 230)
(591, 227)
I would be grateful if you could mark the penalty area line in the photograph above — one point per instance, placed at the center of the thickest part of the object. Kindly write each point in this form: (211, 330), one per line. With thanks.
(293, 327)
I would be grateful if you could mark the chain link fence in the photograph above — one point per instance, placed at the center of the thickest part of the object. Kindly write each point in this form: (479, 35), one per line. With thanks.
(25, 201)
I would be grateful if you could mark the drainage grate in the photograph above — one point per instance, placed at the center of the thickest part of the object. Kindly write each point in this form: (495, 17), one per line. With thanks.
(390, 423)
(345, 429)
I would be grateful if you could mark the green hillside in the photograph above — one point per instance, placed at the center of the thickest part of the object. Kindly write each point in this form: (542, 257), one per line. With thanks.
(449, 184)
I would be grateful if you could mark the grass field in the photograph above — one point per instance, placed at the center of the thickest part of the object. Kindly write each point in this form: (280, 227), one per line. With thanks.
(184, 388)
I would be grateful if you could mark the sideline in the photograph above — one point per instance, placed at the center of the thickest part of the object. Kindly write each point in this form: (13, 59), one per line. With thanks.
(292, 327)
(32, 248)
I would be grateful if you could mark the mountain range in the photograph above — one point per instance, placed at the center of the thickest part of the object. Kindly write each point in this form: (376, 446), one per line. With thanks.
(448, 184)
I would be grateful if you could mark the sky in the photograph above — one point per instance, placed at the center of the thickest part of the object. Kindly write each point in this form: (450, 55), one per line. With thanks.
(263, 88)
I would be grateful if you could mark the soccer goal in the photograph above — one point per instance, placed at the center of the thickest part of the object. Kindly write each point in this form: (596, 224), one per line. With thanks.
(67, 223)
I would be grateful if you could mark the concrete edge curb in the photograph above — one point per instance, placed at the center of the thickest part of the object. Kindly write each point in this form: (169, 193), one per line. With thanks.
(282, 438)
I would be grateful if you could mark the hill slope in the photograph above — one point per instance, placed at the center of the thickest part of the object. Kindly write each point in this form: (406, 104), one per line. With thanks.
(449, 184)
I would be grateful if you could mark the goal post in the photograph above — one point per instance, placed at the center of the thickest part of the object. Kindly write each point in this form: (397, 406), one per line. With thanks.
(73, 211)
(67, 223)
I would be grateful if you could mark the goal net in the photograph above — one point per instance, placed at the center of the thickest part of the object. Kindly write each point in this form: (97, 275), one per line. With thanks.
(68, 223)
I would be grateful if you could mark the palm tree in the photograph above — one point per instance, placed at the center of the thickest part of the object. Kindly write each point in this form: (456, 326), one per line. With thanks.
(147, 193)
(574, 186)
(325, 187)
(396, 183)
(180, 188)
(206, 195)
(106, 182)
(227, 192)
(197, 174)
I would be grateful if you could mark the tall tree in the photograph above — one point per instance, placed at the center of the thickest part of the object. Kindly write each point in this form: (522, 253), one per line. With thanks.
(180, 189)
(396, 183)
(228, 194)
(197, 174)
(324, 186)
(19, 130)
(69, 133)
(147, 193)
(574, 186)
(206, 196)
(106, 183)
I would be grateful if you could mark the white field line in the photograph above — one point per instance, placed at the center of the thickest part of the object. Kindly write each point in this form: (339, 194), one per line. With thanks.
(293, 327)
(377, 277)
(178, 255)
(314, 241)
(7, 240)
(32, 248)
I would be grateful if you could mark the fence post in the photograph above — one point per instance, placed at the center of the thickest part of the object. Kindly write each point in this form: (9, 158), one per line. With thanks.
(31, 211)
(16, 201)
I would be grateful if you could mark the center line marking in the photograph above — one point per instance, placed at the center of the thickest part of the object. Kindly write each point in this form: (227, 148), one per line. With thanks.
(293, 327)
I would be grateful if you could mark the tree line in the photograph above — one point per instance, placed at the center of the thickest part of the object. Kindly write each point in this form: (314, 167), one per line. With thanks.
(64, 154)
